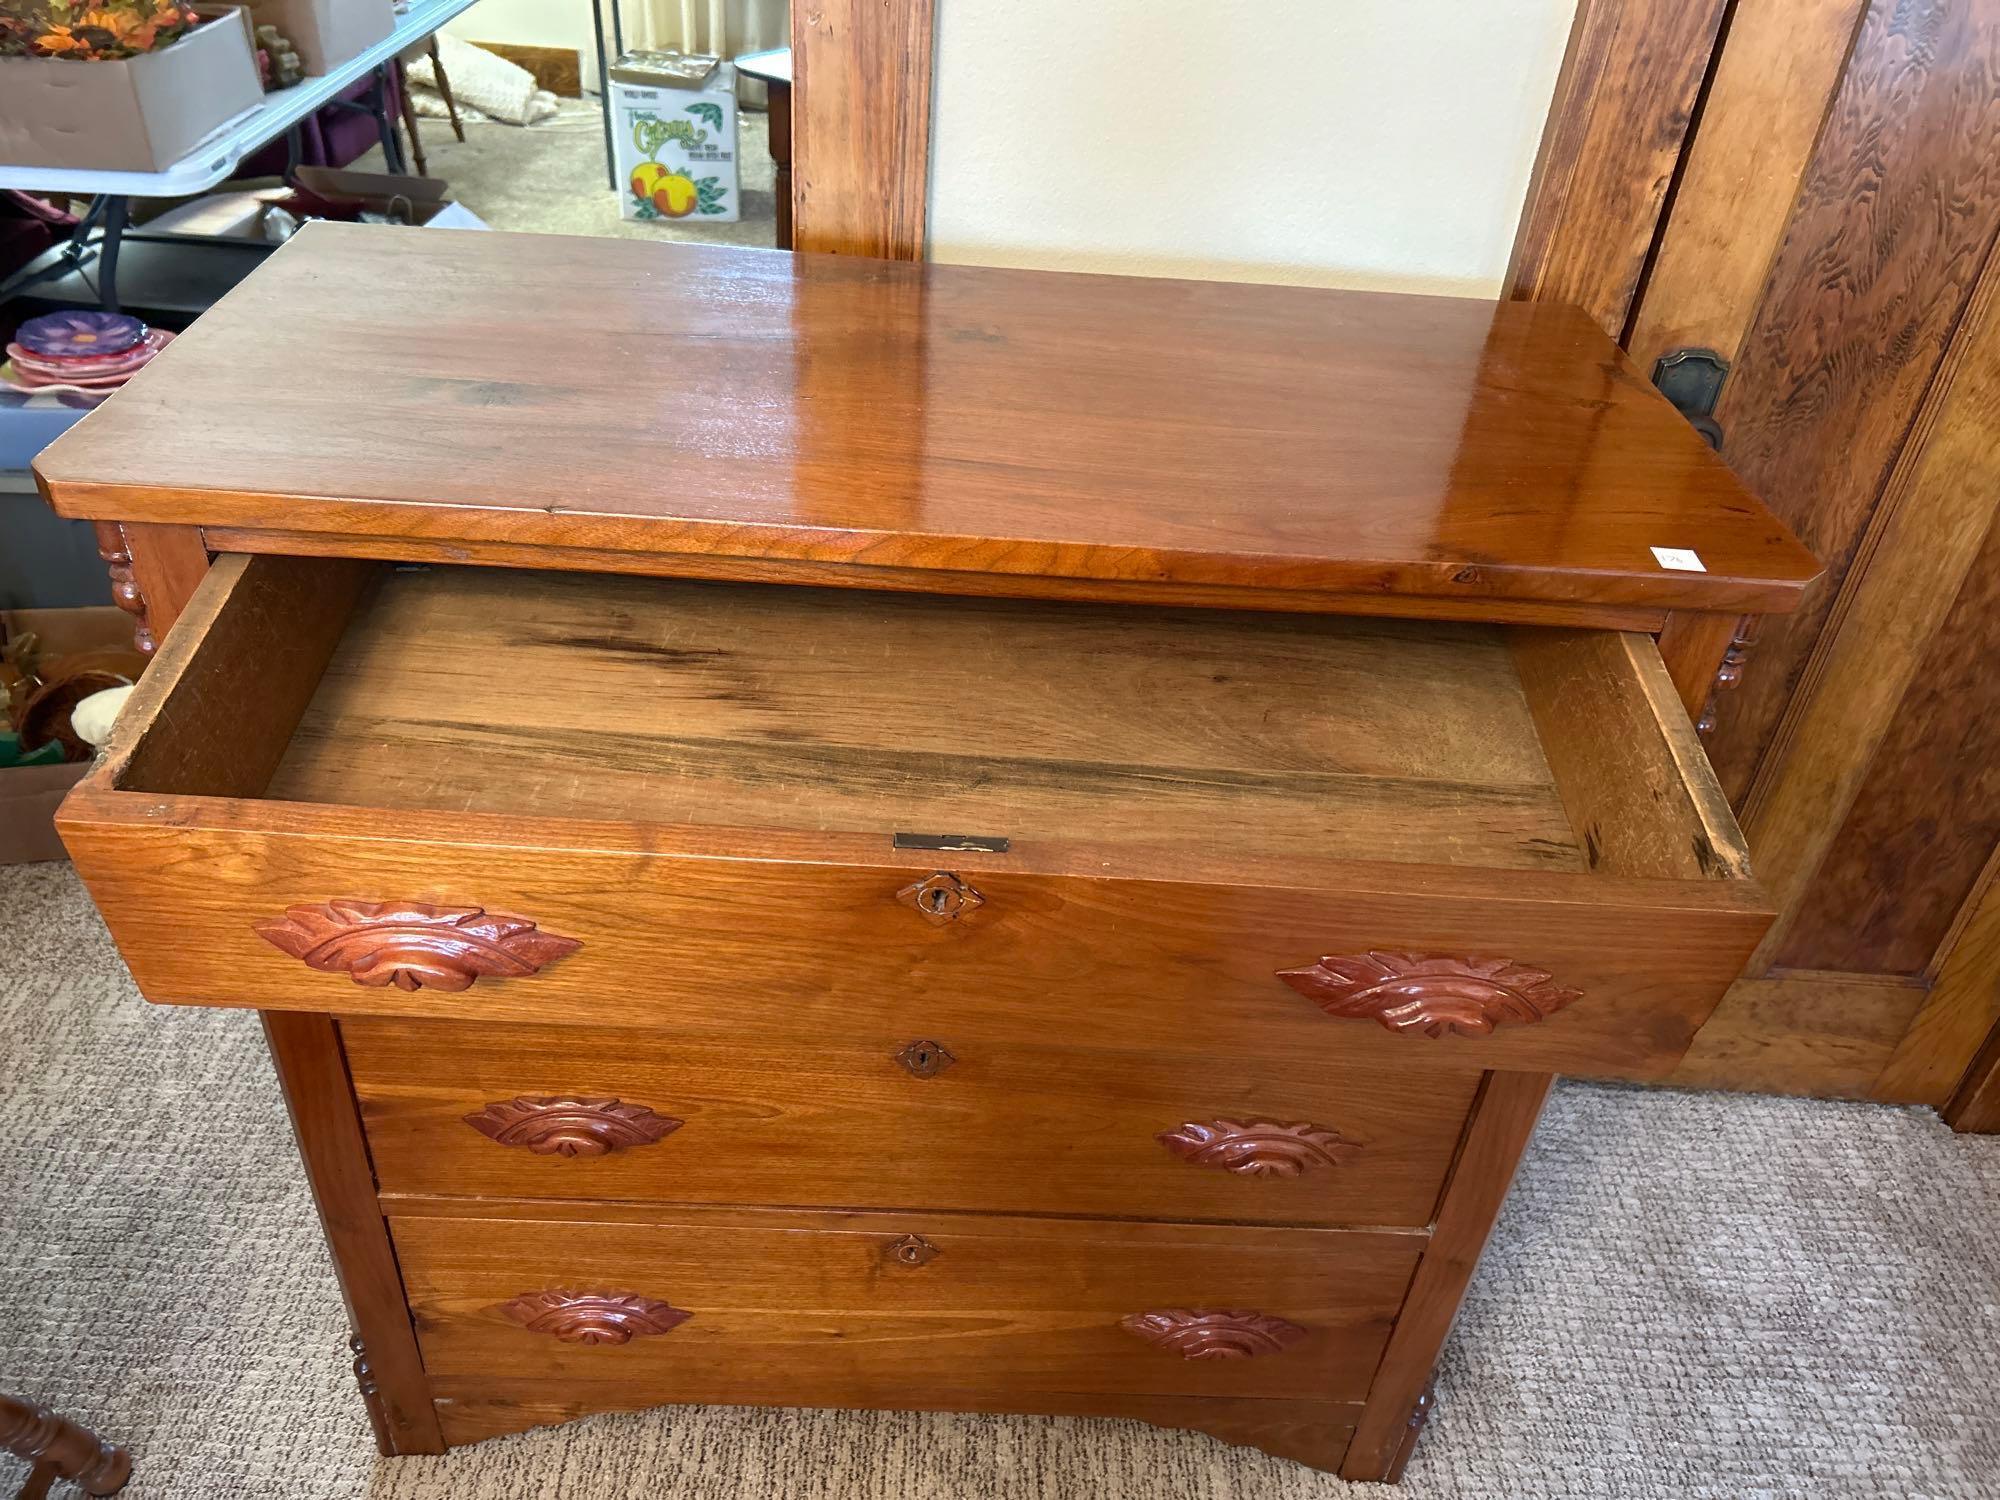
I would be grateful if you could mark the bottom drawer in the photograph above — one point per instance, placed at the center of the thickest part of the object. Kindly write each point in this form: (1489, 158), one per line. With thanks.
(817, 1309)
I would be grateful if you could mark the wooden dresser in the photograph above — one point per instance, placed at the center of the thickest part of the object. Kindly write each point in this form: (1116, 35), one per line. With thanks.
(828, 832)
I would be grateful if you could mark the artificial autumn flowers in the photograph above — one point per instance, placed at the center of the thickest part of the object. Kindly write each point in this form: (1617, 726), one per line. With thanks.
(91, 30)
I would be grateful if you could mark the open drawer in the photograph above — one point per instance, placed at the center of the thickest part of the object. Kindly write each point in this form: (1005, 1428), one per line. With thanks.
(730, 810)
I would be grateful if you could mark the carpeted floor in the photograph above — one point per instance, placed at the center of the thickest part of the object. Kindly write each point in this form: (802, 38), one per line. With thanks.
(1688, 1296)
(549, 179)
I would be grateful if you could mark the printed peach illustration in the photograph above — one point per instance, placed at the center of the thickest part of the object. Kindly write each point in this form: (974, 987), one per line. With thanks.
(674, 196)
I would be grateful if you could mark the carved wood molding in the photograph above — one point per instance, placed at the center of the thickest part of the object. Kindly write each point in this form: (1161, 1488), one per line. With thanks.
(940, 898)
(1258, 1148)
(1730, 674)
(371, 1394)
(116, 551)
(593, 1317)
(569, 1126)
(57, 1448)
(1430, 993)
(413, 945)
(1213, 1335)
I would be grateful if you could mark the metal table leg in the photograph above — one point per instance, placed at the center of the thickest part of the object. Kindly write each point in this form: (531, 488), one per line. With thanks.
(74, 255)
(378, 105)
(604, 94)
(117, 211)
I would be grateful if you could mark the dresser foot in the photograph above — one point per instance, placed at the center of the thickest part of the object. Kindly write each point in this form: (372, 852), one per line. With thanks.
(58, 1448)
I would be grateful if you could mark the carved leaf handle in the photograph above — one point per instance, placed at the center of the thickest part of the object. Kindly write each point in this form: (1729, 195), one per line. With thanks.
(565, 1125)
(593, 1317)
(413, 945)
(1430, 993)
(1258, 1148)
(1194, 1334)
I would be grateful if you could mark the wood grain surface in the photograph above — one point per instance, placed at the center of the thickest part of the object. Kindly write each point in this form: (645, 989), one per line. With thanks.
(1828, 1035)
(682, 922)
(1773, 81)
(1923, 544)
(793, 1310)
(306, 1054)
(1027, 1128)
(1503, 1122)
(861, 117)
(1024, 424)
(1616, 125)
(754, 706)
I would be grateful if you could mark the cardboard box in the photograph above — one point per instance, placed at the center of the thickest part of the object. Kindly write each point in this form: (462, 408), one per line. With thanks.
(674, 129)
(133, 114)
(415, 200)
(29, 795)
(327, 33)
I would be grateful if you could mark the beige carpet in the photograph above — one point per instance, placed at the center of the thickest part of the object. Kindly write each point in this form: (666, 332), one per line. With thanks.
(1688, 1296)
(549, 179)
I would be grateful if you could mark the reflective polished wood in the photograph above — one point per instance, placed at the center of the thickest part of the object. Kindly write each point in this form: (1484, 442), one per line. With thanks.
(727, 407)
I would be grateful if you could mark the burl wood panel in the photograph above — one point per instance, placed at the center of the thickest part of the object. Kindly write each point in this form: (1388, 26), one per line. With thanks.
(1924, 541)
(1894, 219)
(1030, 1127)
(1927, 818)
(814, 1309)
(832, 410)
(757, 706)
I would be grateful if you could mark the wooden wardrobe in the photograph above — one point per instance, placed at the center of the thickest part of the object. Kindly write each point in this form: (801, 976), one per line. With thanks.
(1788, 210)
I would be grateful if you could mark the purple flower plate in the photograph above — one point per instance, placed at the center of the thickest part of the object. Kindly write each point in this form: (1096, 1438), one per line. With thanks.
(69, 335)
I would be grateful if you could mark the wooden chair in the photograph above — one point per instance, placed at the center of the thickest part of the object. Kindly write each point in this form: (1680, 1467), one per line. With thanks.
(56, 1448)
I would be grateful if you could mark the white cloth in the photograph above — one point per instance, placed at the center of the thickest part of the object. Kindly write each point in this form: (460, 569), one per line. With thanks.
(485, 87)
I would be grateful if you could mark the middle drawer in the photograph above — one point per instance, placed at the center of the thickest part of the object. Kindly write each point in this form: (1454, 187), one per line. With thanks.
(907, 1122)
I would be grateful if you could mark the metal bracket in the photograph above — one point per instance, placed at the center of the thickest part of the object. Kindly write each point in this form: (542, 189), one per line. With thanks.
(1692, 380)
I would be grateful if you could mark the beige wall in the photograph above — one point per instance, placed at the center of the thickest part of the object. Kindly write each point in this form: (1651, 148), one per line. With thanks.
(1328, 142)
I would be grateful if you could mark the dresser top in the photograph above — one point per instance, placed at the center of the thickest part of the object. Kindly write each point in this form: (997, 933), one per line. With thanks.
(925, 425)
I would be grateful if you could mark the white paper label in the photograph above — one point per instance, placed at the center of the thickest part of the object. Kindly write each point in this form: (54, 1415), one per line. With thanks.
(1679, 559)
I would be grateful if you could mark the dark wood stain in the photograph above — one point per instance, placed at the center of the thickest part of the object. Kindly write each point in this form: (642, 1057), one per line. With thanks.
(1894, 221)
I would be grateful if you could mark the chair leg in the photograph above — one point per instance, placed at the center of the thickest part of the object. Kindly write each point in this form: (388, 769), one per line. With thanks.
(59, 1449)
(444, 88)
(410, 119)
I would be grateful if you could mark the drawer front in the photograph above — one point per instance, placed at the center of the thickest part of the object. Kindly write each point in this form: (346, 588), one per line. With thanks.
(222, 902)
(915, 1120)
(824, 1309)
(815, 931)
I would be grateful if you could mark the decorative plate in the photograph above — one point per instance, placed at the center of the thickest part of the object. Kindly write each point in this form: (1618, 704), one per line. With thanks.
(78, 331)
(34, 385)
(84, 367)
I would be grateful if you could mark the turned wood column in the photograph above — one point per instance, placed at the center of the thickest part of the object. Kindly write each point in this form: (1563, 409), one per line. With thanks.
(154, 570)
(58, 1448)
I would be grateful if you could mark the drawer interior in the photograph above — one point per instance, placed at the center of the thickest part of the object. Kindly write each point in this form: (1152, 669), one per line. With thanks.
(591, 696)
